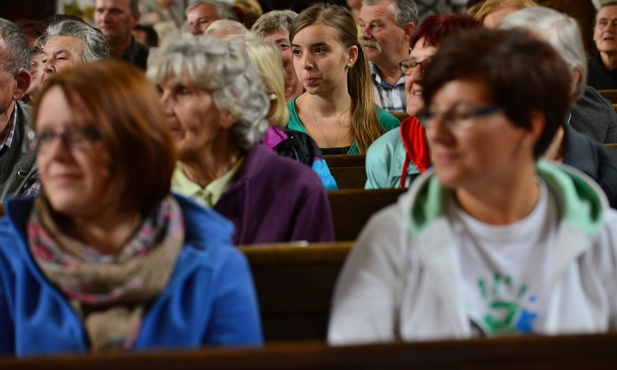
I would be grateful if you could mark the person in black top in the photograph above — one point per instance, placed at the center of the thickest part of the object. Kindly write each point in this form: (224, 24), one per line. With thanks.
(603, 66)
(116, 19)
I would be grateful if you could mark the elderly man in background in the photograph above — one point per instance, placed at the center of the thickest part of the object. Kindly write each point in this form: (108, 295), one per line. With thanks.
(386, 27)
(116, 19)
(65, 44)
(603, 66)
(16, 158)
(274, 26)
(201, 13)
(69, 43)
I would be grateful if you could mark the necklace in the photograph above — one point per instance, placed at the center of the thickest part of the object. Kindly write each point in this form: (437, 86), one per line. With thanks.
(321, 130)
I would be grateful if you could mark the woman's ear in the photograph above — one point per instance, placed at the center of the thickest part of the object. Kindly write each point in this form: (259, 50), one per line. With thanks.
(352, 56)
(227, 119)
(537, 122)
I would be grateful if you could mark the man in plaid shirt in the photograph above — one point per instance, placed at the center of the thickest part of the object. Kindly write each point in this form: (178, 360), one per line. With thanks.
(16, 158)
(386, 26)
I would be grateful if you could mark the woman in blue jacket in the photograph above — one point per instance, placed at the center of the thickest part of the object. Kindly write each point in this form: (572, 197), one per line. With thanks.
(106, 259)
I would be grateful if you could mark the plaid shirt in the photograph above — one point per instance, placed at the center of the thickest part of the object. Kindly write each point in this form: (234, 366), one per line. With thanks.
(6, 138)
(392, 97)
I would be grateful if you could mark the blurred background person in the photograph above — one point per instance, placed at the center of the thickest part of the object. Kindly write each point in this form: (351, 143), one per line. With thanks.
(166, 30)
(16, 158)
(399, 156)
(33, 29)
(427, 8)
(68, 43)
(274, 26)
(201, 13)
(156, 11)
(118, 265)
(248, 11)
(471, 249)
(491, 12)
(570, 146)
(354, 8)
(216, 106)
(603, 66)
(146, 35)
(225, 27)
(337, 110)
(591, 113)
(116, 19)
(65, 44)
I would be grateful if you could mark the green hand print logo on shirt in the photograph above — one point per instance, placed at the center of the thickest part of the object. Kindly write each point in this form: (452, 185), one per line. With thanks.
(504, 305)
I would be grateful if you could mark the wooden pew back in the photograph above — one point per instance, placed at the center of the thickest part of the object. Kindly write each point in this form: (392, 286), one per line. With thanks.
(352, 208)
(294, 284)
(530, 353)
(610, 95)
(347, 170)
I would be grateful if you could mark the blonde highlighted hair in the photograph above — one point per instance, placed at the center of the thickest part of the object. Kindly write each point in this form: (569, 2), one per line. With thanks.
(267, 58)
(491, 6)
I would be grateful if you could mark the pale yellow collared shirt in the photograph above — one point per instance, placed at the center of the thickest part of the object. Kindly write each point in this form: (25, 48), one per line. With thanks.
(207, 196)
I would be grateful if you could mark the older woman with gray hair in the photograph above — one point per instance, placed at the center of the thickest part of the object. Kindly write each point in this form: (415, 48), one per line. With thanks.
(591, 116)
(69, 43)
(590, 113)
(216, 105)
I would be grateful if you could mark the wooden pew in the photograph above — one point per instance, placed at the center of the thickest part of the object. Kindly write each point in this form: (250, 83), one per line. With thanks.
(352, 208)
(347, 170)
(400, 115)
(294, 284)
(610, 95)
(533, 353)
(611, 145)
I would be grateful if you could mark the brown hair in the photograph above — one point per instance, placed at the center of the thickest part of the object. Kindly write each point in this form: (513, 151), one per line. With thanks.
(501, 59)
(365, 127)
(118, 100)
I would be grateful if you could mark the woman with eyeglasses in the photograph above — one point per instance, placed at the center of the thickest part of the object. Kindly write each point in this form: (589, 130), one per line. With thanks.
(491, 241)
(337, 109)
(106, 259)
(399, 156)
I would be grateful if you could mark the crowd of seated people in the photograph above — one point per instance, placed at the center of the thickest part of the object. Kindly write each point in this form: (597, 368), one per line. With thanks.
(106, 257)
(129, 174)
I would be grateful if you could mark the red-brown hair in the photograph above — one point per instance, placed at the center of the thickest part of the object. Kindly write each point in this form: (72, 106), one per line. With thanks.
(435, 28)
(118, 100)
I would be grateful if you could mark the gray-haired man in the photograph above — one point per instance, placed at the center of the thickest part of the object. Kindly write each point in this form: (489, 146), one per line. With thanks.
(16, 159)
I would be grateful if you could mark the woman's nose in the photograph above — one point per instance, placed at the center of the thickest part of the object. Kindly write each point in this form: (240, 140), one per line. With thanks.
(307, 61)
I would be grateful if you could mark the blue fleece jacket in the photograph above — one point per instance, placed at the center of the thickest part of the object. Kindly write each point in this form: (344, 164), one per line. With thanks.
(210, 299)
